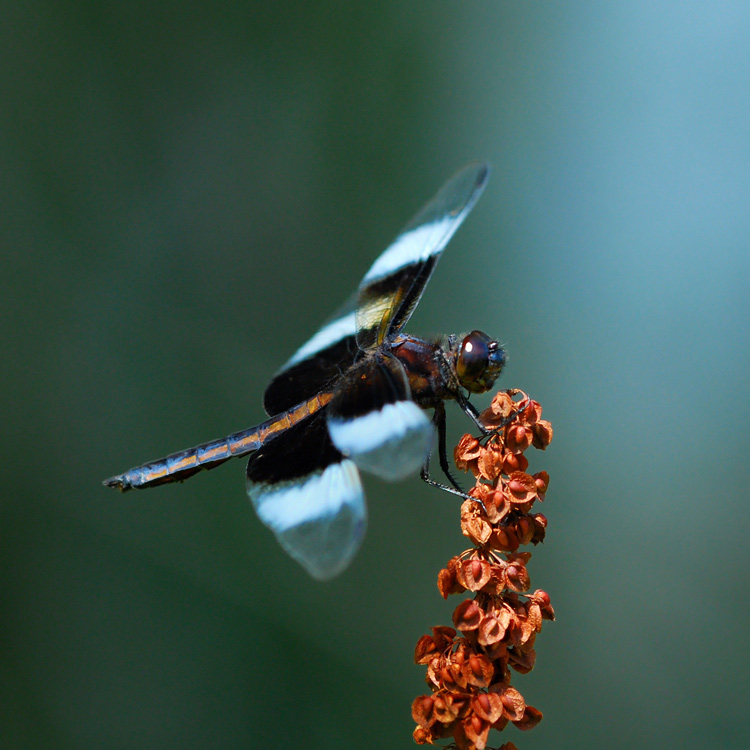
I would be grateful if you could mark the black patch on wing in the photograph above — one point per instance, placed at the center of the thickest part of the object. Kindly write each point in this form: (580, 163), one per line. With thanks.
(370, 384)
(303, 380)
(298, 452)
(422, 273)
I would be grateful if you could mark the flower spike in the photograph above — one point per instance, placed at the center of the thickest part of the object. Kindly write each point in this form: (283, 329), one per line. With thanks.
(469, 666)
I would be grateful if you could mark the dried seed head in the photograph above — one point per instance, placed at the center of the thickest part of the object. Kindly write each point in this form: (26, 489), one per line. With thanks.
(469, 666)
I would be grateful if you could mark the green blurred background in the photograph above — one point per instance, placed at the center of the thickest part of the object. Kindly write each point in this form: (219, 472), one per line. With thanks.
(188, 189)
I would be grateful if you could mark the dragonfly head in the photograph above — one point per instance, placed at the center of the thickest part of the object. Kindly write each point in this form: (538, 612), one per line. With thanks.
(479, 362)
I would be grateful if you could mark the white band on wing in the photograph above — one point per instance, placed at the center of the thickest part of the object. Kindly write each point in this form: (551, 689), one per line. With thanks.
(410, 248)
(320, 520)
(392, 442)
(327, 336)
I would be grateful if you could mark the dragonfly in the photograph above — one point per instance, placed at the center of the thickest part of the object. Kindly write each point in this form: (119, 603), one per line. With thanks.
(356, 396)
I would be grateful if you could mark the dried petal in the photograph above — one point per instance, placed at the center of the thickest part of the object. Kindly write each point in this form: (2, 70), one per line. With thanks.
(523, 663)
(523, 557)
(496, 585)
(525, 529)
(528, 632)
(492, 629)
(498, 654)
(500, 724)
(447, 583)
(522, 487)
(542, 598)
(422, 736)
(476, 528)
(425, 650)
(490, 464)
(504, 538)
(422, 710)
(517, 581)
(497, 506)
(473, 574)
(443, 636)
(476, 731)
(540, 527)
(541, 479)
(532, 412)
(446, 678)
(514, 462)
(487, 706)
(445, 708)
(502, 406)
(531, 717)
(517, 577)
(467, 616)
(479, 491)
(518, 438)
(535, 616)
(513, 703)
(466, 453)
(478, 671)
(542, 434)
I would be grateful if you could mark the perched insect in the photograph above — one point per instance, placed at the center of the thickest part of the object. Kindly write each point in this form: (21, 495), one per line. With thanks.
(353, 397)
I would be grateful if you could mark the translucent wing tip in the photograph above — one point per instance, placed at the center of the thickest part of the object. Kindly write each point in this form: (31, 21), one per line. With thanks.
(481, 169)
(471, 181)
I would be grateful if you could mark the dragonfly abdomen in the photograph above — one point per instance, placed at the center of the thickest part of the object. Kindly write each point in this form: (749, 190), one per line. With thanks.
(183, 464)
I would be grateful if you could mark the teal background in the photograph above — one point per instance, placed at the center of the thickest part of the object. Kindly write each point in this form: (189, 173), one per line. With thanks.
(188, 189)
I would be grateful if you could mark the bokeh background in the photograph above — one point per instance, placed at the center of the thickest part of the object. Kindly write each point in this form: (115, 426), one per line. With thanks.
(187, 189)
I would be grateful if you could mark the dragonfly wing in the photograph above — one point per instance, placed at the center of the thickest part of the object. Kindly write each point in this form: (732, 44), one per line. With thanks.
(310, 496)
(393, 286)
(372, 419)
